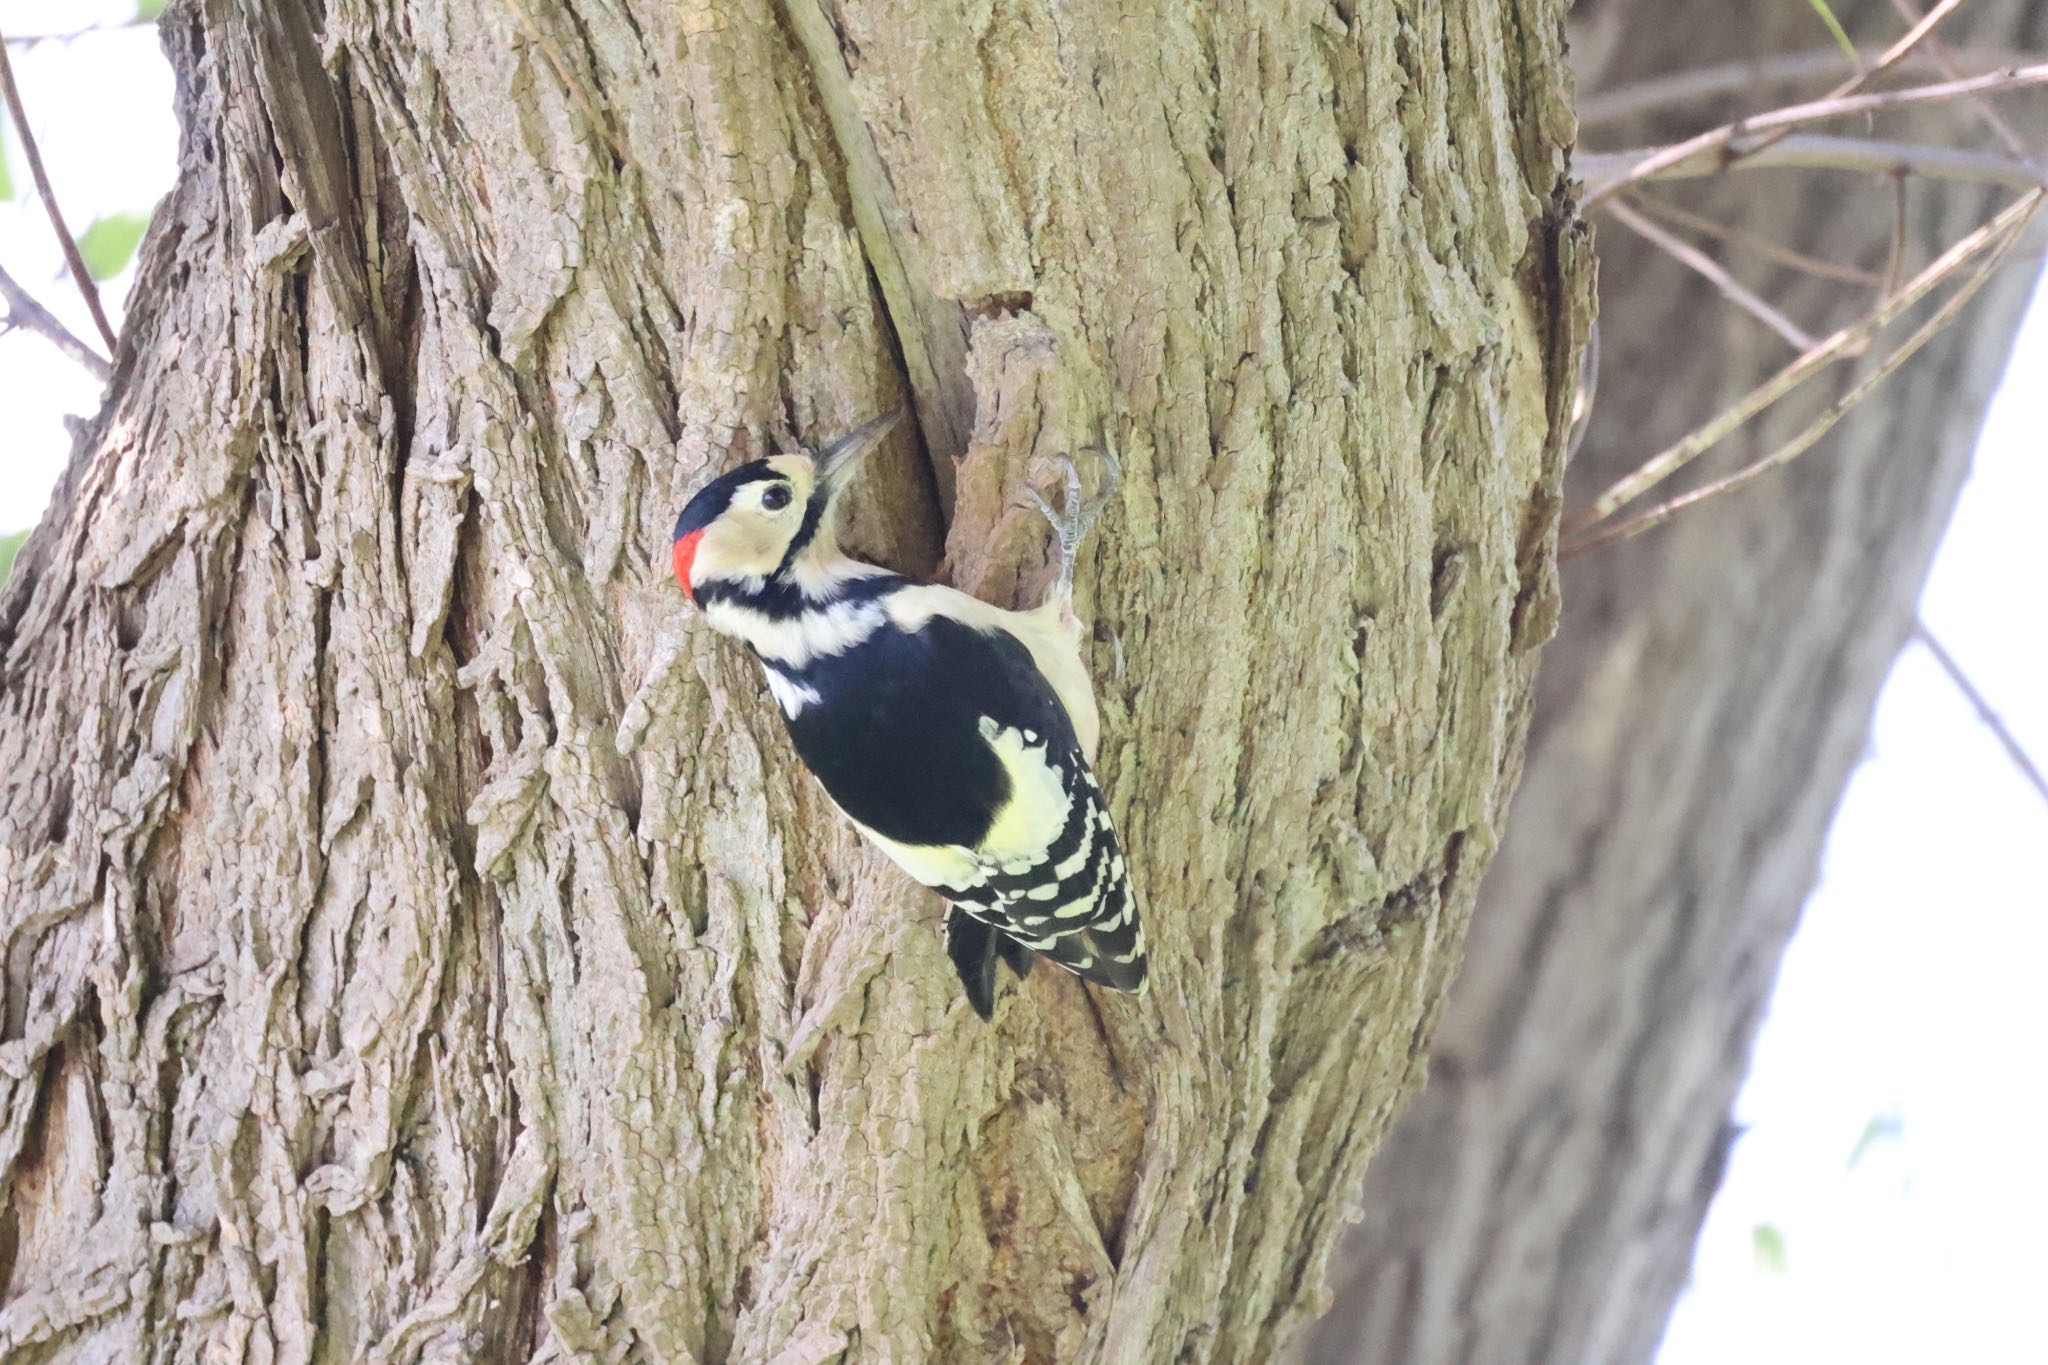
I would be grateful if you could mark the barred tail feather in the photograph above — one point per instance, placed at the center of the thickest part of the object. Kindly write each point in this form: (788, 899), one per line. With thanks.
(971, 945)
(1110, 950)
(1068, 899)
(975, 948)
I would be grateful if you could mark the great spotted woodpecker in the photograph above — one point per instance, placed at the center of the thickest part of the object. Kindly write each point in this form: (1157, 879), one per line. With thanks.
(955, 735)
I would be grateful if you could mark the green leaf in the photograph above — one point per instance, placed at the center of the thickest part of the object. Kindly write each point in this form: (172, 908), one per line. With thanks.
(1827, 16)
(1768, 1240)
(6, 176)
(109, 243)
(146, 10)
(8, 545)
(1882, 1127)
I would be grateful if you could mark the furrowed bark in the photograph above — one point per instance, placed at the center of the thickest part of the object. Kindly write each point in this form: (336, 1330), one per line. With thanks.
(420, 940)
(1708, 695)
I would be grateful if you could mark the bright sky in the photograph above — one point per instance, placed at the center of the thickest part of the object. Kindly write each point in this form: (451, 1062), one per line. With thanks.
(101, 109)
(1912, 995)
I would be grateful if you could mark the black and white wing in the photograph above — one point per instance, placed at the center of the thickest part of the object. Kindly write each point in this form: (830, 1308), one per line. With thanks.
(950, 749)
(1051, 874)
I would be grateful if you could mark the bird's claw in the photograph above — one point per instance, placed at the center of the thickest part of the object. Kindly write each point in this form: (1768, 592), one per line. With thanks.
(1076, 515)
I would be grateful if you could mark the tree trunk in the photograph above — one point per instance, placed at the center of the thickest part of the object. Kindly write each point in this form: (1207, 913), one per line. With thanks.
(420, 940)
(1703, 706)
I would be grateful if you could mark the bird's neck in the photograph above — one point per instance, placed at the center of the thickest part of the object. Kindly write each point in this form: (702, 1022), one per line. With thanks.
(824, 603)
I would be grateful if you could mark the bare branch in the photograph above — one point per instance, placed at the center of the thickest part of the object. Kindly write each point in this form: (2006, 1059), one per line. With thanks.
(1701, 84)
(1945, 60)
(1586, 394)
(1718, 148)
(1769, 250)
(1693, 258)
(26, 40)
(49, 198)
(1899, 50)
(23, 311)
(1847, 106)
(1604, 171)
(2000, 233)
(1985, 712)
(1895, 258)
(2003, 231)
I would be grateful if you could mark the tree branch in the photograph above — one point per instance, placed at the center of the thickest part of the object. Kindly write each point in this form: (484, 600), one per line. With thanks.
(23, 311)
(1712, 271)
(1770, 251)
(25, 40)
(1608, 171)
(1718, 148)
(1945, 61)
(1898, 51)
(1701, 84)
(1992, 720)
(2000, 233)
(35, 166)
(1895, 257)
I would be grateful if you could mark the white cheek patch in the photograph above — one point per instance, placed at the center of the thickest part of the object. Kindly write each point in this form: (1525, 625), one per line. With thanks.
(738, 547)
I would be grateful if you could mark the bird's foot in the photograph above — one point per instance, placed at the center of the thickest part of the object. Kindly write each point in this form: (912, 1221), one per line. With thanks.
(1075, 518)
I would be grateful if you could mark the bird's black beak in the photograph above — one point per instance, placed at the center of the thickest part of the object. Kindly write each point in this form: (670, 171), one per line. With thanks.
(840, 461)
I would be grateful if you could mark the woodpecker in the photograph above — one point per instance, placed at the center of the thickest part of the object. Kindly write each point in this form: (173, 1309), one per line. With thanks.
(956, 736)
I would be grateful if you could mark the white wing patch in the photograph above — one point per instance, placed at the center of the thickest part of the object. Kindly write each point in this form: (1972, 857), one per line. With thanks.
(1023, 830)
(1037, 809)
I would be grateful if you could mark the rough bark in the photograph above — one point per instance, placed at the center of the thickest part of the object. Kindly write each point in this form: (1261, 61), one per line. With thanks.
(420, 941)
(1698, 715)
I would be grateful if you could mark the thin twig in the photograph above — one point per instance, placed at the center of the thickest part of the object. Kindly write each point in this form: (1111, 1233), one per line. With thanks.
(1700, 84)
(1718, 148)
(26, 40)
(1762, 246)
(1985, 712)
(1895, 259)
(1847, 341)
(1820, 151)
(1586, 394)
(1915, 34)
(2009, 225)
(23, 311)
(49, 197)
(1848, 106)
(1712, 271)
(1945, 61)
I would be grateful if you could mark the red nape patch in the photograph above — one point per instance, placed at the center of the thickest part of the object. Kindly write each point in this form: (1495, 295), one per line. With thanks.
(685, 554)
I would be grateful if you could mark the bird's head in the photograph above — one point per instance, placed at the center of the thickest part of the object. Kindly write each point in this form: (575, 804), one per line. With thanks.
(760, 522)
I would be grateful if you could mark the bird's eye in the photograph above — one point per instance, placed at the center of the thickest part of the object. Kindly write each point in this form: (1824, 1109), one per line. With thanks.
(776, 498)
